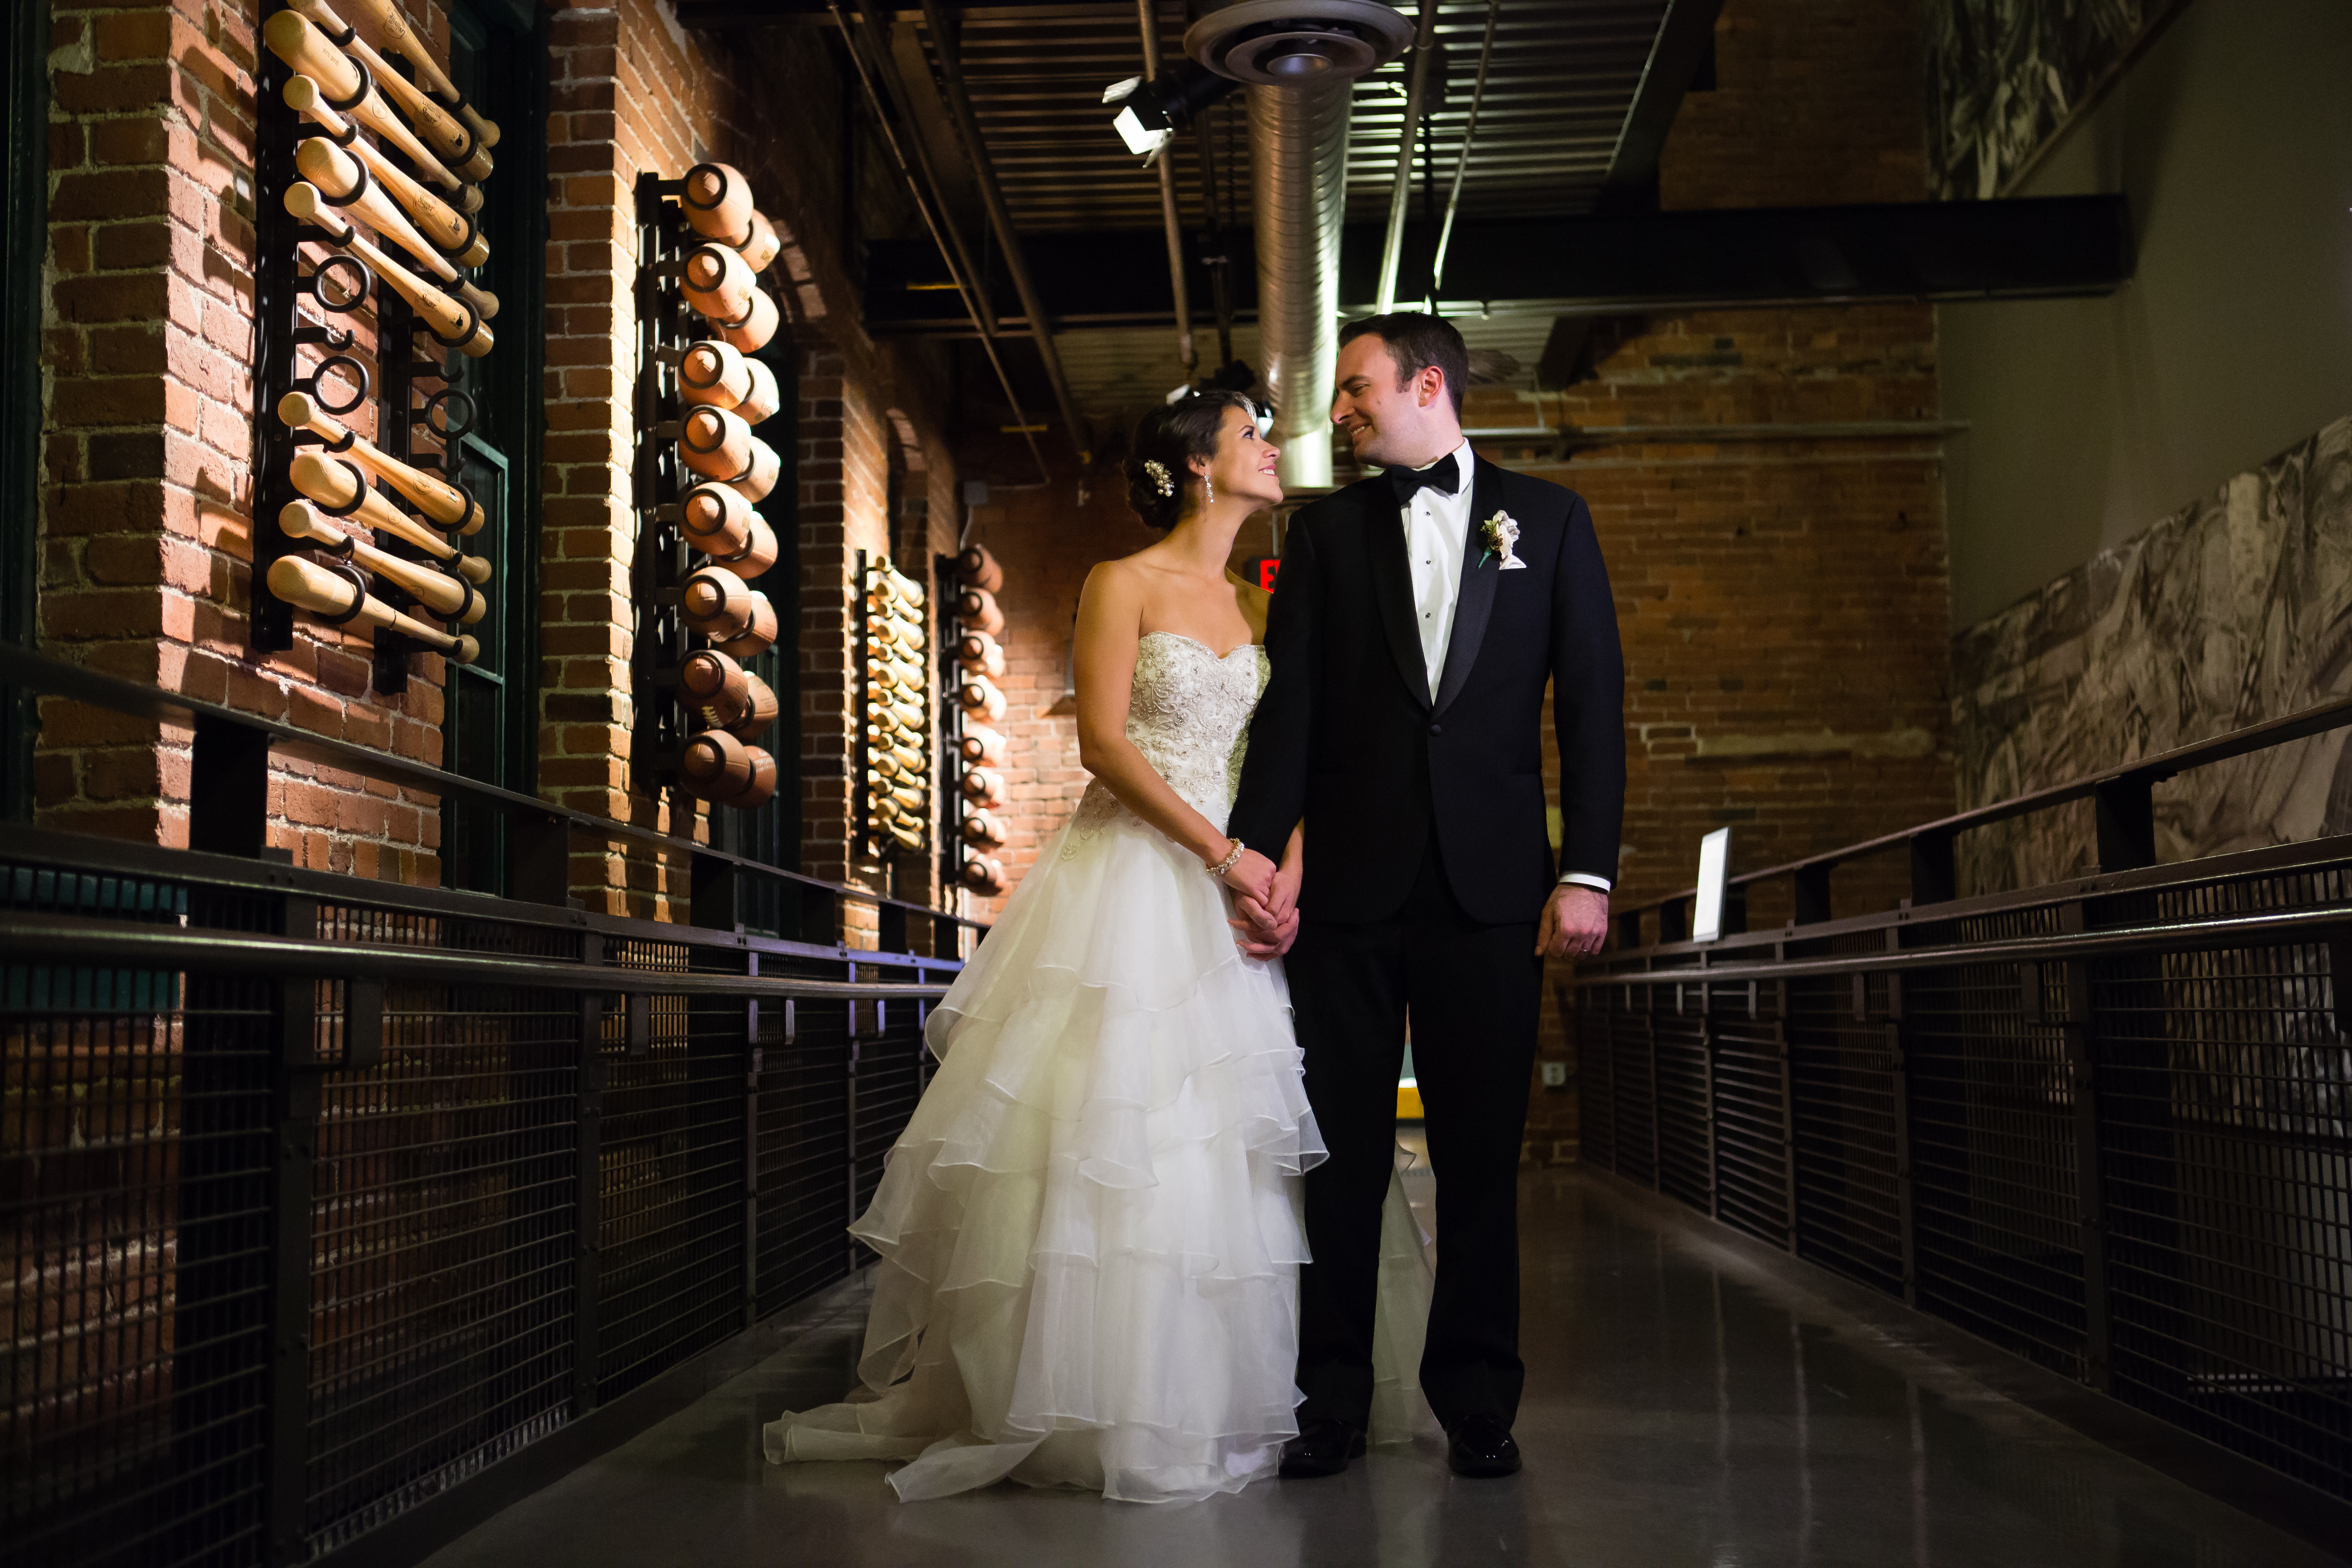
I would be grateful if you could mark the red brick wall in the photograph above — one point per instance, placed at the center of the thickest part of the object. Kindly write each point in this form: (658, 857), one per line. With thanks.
(148, 488)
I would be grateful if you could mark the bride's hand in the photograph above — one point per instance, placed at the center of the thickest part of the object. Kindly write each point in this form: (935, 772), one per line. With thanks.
(1263, 938)
(1253, 874)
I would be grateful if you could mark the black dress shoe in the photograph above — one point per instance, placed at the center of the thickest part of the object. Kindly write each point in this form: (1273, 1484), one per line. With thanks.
(1322, 1447)
(1481, 1447)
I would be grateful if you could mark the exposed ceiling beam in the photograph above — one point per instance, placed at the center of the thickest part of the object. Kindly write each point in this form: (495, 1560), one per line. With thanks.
(1685, 36)
(1600, 264)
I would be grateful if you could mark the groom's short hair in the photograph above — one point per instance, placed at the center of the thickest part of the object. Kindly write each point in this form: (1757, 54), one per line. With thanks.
(1416, 342)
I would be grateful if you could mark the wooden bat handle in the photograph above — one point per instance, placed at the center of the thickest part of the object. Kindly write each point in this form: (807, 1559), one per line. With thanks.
(308, 586)
(455, 142)
(751, 333)
(453, 597)
(399, 36)
(342, 177)
(715, 373)
(324, 480)
(293, 38)
(304, 96)
(448, 320)
(441, 502)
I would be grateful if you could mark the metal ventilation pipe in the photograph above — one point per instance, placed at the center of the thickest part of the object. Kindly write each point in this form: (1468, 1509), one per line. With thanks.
(1299, 178)
(1299, 59)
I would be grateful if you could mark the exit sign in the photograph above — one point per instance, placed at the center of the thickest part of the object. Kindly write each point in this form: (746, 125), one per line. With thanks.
(1262, 570)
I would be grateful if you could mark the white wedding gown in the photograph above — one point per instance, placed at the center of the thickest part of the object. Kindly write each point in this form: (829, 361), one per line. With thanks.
(1089, 1232)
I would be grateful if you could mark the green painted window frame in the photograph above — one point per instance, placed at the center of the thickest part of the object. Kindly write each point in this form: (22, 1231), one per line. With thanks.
(24, 216)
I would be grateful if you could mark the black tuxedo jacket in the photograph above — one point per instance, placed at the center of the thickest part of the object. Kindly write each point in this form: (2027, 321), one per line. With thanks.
(1346, 735)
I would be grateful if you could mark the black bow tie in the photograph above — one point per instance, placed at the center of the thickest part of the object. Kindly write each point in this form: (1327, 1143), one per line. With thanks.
(1441, 476)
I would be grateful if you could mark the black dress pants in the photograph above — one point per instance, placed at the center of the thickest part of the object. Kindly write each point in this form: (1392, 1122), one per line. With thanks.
(1472, 991)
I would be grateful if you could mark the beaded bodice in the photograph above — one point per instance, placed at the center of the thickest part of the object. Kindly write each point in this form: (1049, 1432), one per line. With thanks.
(1188, 712)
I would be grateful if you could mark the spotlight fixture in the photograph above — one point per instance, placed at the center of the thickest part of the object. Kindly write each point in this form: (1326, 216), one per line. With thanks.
(1153, 112)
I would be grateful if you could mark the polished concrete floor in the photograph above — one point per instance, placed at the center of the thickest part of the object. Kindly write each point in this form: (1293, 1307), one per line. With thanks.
(1685, 1406)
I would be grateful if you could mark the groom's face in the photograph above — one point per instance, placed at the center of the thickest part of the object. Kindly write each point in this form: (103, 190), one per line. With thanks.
(1388, 422)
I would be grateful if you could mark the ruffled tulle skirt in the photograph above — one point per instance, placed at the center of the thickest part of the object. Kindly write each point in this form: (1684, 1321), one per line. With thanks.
(1089, 1233)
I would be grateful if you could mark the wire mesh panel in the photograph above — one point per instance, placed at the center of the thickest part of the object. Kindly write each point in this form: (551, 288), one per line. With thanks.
(1629, 1064)
(136, 1158)
(1751, 1145)
(802, 1184)
(443, 1244)
(1844, 1084)
(2224, 1080)
(1597, 1013)
(888, 1083)
(1686, 1165)
(670, 1222)
(1994, 1160)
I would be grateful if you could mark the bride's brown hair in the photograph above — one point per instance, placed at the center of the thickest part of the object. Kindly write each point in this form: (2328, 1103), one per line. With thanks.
(1172, 437)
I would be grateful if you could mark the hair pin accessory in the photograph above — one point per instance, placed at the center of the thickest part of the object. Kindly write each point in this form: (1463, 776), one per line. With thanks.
(1157, 471)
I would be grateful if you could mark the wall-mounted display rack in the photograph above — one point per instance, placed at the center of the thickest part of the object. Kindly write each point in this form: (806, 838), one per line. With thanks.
(368, 196)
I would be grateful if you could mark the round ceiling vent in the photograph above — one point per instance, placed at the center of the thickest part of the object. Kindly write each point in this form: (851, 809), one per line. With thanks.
(1298, 42)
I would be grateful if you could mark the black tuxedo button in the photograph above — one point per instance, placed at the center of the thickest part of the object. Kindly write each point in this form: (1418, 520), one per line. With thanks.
(1437, 728)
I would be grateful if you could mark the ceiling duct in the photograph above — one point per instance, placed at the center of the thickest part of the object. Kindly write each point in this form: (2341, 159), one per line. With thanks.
(1298, 59)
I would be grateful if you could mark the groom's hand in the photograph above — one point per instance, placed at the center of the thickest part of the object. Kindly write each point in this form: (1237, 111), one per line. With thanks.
(1263, 936)
(1575, 922)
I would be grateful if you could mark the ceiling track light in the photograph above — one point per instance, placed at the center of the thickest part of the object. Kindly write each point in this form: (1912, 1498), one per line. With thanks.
(1153, 112)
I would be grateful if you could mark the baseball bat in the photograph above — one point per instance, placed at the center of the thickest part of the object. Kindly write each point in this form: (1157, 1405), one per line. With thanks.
(718, 203)
(325, 480)
(439, 500)
(977, 608)
(454, 141)
(337, 174)
(399, 36)
(759, 636)
(980, 695)
(443, 314)
(985, 788)
(763, 245)
(468, 249)
(982, 831)
(308, 586)
(764, 398)
(293, 37)
(983, 877)
(978, 567)
(715, 603)
(758, 553)
(454, 599)
(751, 332)
(979, 651)
(716, 520)
(983, 746)
(715, 373)
(717, 282)
(718, 445)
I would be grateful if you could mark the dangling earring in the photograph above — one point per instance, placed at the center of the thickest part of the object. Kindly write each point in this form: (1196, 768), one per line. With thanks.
(1208, 491)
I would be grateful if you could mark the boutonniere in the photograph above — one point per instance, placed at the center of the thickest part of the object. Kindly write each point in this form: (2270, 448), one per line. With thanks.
(1498, 534)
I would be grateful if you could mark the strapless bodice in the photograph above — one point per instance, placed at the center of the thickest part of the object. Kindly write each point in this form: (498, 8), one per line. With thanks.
(1188, 711)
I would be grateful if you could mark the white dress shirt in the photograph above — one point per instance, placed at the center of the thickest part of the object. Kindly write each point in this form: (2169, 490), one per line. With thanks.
(1435, 529)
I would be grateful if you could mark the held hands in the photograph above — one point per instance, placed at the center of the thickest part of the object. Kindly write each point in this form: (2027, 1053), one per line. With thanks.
(1252, 876)
(1261, 934)
(1575, 922)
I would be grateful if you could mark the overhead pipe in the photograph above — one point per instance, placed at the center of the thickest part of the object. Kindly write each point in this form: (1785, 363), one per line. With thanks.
(1149, 18)
(1299, 185)
(967, 282)
(1416, 95)
(877, 40)
(1461, 164)
(1000, 219)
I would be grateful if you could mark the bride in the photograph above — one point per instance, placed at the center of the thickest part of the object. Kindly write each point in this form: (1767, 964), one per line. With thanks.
(1089, 1231)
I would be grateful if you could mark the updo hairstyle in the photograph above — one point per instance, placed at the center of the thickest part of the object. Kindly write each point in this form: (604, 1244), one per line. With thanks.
(1172, 435)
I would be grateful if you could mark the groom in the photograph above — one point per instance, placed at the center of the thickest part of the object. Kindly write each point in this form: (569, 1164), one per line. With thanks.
(1416, 621)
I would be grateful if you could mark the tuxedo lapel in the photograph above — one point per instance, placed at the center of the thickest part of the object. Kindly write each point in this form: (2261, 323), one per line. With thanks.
(1392, 586)
(1475, 602)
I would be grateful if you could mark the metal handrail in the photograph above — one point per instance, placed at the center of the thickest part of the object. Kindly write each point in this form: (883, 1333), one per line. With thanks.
(2331, 923)
(95, 942)
(22, 667)
(2121, 793)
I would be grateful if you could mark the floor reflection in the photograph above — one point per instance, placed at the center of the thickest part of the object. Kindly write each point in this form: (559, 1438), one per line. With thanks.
(1682, 1408)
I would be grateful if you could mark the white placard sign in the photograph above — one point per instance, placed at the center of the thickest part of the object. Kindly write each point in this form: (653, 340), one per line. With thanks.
(1714, 858)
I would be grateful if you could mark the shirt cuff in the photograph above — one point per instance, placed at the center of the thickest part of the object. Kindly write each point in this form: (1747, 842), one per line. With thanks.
(1585, 880)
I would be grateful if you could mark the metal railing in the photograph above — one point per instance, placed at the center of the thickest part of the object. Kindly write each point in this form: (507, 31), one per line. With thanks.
(228, 812)
(2106, 1124)
(320, 1195)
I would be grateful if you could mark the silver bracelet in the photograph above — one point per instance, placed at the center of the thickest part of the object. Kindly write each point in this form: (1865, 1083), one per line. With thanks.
(1229, 861)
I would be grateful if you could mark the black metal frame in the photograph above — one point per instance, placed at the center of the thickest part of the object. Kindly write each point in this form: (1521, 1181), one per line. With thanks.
(24, 225)
(2101, 1124)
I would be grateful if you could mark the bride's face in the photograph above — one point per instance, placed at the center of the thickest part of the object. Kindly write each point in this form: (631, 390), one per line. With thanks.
(1246, 461)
